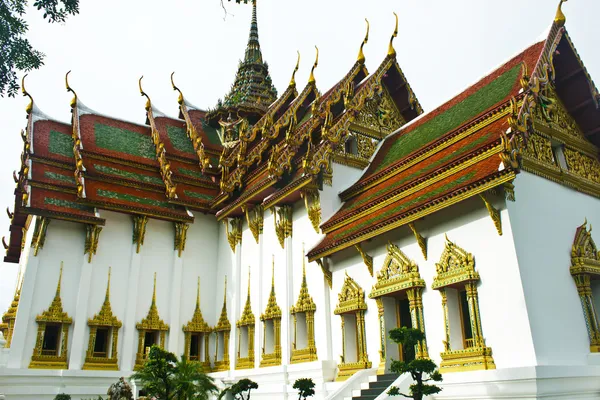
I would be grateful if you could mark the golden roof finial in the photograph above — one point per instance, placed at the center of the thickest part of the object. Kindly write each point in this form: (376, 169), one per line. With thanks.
(303, 264)
(107, 295)
(293, 80)
(154, 292)
(361, 55)
(29, 107)
(248, 282)
(391, 50)
(312, 75)
(273, 273)
(57, 295)
(560, 18)
(180, 98)
(148, 102)
(198, 295)
(70, 89)
(225, 292)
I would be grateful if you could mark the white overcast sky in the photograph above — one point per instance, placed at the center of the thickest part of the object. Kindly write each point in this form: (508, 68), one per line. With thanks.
(443, 46)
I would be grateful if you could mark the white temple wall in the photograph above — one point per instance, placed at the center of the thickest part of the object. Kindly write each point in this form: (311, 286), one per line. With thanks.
(64, 243)
(545, 217)
(226, 267)
(343, 178)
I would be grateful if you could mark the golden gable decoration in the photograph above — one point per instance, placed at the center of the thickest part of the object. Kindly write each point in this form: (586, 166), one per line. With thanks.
(104, 319)
(247, 321)
(455, 266)
(223, 328)
(152, 323)
(272, 313)
(197, 325)
(585, 267)
(351, 300)
(48, 355)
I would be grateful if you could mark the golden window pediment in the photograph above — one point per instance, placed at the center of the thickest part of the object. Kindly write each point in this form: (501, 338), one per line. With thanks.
(398, 273)
(585, 257)
(197, 323)
(351, 298)
(223, 324)
(456, 265)
(247, 317)
(152, 322)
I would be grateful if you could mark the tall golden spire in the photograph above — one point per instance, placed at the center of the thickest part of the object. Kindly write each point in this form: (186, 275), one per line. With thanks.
(198, 295)
(273, 273)
(293, 80)
(560, 18)
(225, 294)
(154, 293)
(57, 295)
(361, 55)
(391, 50)
(107, 295)
(312, 74)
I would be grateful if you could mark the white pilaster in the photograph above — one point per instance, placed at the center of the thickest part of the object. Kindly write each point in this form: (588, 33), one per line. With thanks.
(235, 305)
(286, 324)
(327, 312)
(129, 332)
(79, 342)
(259, 331)
(17, 346)
(176, 293)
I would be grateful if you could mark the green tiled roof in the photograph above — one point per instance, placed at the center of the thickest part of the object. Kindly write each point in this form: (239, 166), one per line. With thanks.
(211, 134)
(66, 204)
(475, 104)
(124, 141)
(179, 139)
(133, 199)
(197, 195)
(129, 175)
(191, 173)
(60, 144)
(59, 177)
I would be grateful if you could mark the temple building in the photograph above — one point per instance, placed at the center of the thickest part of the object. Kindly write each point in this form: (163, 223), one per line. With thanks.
(281, 234)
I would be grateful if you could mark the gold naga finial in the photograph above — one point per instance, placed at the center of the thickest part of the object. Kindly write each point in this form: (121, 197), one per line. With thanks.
(361, 55)
(560, 18)
(293, 80)
(154, 291)
(70, 89)
(180, 98)
(391, 50)
(148, 102)
(312, 71)
(29, 107)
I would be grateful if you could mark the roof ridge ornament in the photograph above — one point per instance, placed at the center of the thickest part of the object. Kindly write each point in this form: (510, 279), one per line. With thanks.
(361, 55)
(180, 98)
(293, 80)
(312, 75)
(70, 89)
(148, 101)
(29, 107)
(391, 50)
(560, 18)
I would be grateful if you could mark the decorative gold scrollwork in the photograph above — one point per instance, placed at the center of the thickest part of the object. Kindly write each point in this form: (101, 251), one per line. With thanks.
(255, 219)
(282, 218)
(313, 207)
(139, 231)
(39, 234)
(92, 235)
(420, 239)
(234, 235)
(367, 259)
(494, 213)
(181, 229)
(326, 272)
(583, 165)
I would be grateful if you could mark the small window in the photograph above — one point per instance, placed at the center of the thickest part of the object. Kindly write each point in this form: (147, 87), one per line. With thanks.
(149, 341)
(405, 320)
(466, 320)
(51, 338)
(195, 347)
(101, 343)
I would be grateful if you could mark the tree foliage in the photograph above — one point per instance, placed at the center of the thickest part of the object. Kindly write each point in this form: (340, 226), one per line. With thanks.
(306, 388)
(62, 396)
(17, 52)
(239, 389)
(191, 383)
(421, 371)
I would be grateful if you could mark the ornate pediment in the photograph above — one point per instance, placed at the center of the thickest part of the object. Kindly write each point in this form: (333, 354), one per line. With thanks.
(197, 323)
(379, 115)
(585, 257)
(152, 322)
(223, 324)
(305, 302)
(351, 298)
(55, 313)
(273, 310)
(105, 317)
(247, 317)
(456, 265)
(398, 273)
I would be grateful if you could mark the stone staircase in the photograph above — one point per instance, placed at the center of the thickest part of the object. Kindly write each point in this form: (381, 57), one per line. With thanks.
(377, 384)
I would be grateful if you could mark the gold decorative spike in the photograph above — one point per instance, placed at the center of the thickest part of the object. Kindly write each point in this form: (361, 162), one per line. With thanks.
(181, 229)
(272, 313)
(391, 50)
(39, 234)
(293, 80)
(191, 131)
(311, 79)
(255, 219)
(273, 310)
(326, 272)
(223, 323)
(139, 230)
(234, 237)
(494, 213)
(197, 325)
(29, 107)
(560, 18)
(92, 235)
(420, 239)
(103, 319)
(70, 89)
(509, 191)
(283, 224)
(151, 323)
(223, 330)
(53, 315)
(247, 323)
(361, 55)
(305, 307)
(161, 155)
(313, 206)
(367, 259)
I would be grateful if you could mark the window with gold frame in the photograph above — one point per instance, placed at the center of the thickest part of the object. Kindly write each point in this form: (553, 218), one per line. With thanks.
(585, 269)
(245, 326)
(303, 313)
(271, 319)
(104, 334)
(51, 347)
(456, 273)
(222, 331)
(197, 333)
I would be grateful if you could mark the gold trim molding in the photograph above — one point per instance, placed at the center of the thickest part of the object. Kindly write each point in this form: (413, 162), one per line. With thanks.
(312, 203)
(305, 307)
(420, 239)
(139, 230)
(272, 313)
(494, 213)
(223, 327)
(92, 235)
(234, 235)
(367, 259)
(255, 219)
(197, 325)
(282, 218)
(181, 229)
(39, 234)
(327, 275)
(248, 322)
